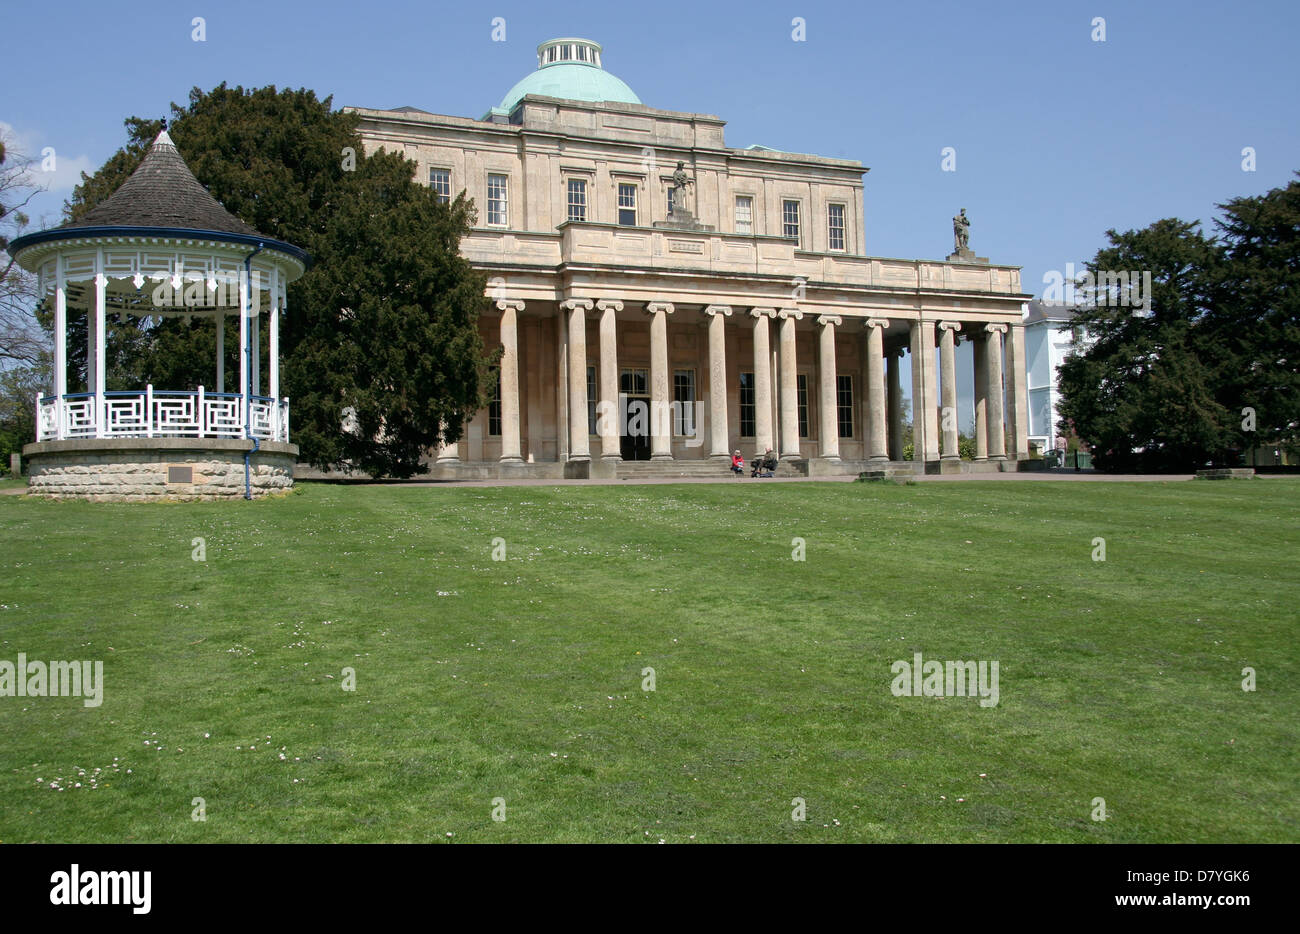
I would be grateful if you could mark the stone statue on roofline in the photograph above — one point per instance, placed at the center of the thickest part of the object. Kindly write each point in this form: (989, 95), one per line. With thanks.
(681, 206)
(961, 232)
(962, 253)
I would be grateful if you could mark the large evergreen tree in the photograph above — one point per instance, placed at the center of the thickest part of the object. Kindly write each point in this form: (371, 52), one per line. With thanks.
(383, 326)
(1165, 389)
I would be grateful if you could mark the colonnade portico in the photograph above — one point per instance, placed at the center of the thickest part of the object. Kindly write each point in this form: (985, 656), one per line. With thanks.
(828, 379)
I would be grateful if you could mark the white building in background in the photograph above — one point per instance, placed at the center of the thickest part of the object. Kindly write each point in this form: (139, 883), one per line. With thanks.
(1050, 335)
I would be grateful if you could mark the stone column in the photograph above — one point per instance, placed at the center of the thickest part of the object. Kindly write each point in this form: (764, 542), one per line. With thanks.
(925, 421)
(511, 452)
(997, 437)
(876, 449)
(1017, 393)
(830, 420)
(719, 439)
(661, 424)
(979, 353)
(948, 387)
(762, 380)
(894, 436)
(579, 442)
(448, 451)
(607, 413)
(789, 383)
(561, 387)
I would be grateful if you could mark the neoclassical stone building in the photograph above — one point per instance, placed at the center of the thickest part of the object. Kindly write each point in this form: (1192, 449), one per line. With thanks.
(673, 314)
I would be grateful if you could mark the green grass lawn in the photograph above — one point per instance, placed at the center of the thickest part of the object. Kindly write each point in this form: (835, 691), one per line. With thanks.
(522, 679)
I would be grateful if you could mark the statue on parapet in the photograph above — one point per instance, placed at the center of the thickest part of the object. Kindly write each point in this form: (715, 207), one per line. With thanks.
(680, 182)
(961, 232)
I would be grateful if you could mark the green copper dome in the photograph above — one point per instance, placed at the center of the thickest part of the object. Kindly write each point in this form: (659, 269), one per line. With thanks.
(569, 69)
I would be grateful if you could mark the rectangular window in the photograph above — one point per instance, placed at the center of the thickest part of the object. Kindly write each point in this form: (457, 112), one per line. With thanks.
(747, 411)
(744, 214)
(494, 406)
(440, 182)
(684, 403)
(498, 212)
(672, 199)
(577, 199)
(626, 204)
(803, 404)
(634, 382)
(835, 226)
(844, 403)
(591, 400)
(790, 219)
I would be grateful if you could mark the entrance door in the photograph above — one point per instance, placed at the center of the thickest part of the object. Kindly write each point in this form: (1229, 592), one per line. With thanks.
(634, 421)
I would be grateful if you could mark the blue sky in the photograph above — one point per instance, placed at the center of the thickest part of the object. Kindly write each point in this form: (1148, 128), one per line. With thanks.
(1057, 137)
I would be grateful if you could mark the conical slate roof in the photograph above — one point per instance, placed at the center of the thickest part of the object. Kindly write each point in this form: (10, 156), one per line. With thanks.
(163, 192)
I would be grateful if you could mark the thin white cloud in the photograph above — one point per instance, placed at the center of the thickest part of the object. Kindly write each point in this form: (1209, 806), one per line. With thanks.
(53, 169)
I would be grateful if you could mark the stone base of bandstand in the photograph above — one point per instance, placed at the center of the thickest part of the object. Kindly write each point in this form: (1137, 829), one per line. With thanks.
(157, 469)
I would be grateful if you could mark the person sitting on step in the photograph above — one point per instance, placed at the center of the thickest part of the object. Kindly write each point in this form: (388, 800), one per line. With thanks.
(765, 464)
(737, 464)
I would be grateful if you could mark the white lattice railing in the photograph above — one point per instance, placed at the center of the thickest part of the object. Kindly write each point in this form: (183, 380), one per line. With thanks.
(152, 414)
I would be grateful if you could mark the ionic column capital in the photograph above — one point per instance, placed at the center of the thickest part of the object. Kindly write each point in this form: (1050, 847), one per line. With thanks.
(652, 308)
(572, 304)
(832, 320)
(996, 328)
(949, 325)
(509, 304)
(870, 323)
(786, 313)
(712, 310)
(762, 312)
(606, 304)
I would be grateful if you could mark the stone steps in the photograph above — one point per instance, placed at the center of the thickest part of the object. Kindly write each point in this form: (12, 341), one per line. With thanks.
(642, 470)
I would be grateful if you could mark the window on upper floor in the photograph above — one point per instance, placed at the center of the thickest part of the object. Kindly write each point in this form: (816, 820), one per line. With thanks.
(744, 214)
(440, 182)
(627, 204)
(498, 200)
(835, 226)
(790, 219)
(577, 199)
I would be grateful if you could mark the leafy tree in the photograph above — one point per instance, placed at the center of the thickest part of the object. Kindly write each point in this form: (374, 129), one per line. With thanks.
(1255, 327)
(385, 322)
(1180, 386)
(1143, 393)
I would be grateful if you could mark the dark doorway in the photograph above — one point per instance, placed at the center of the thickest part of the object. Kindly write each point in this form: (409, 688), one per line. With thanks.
(634, 419)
